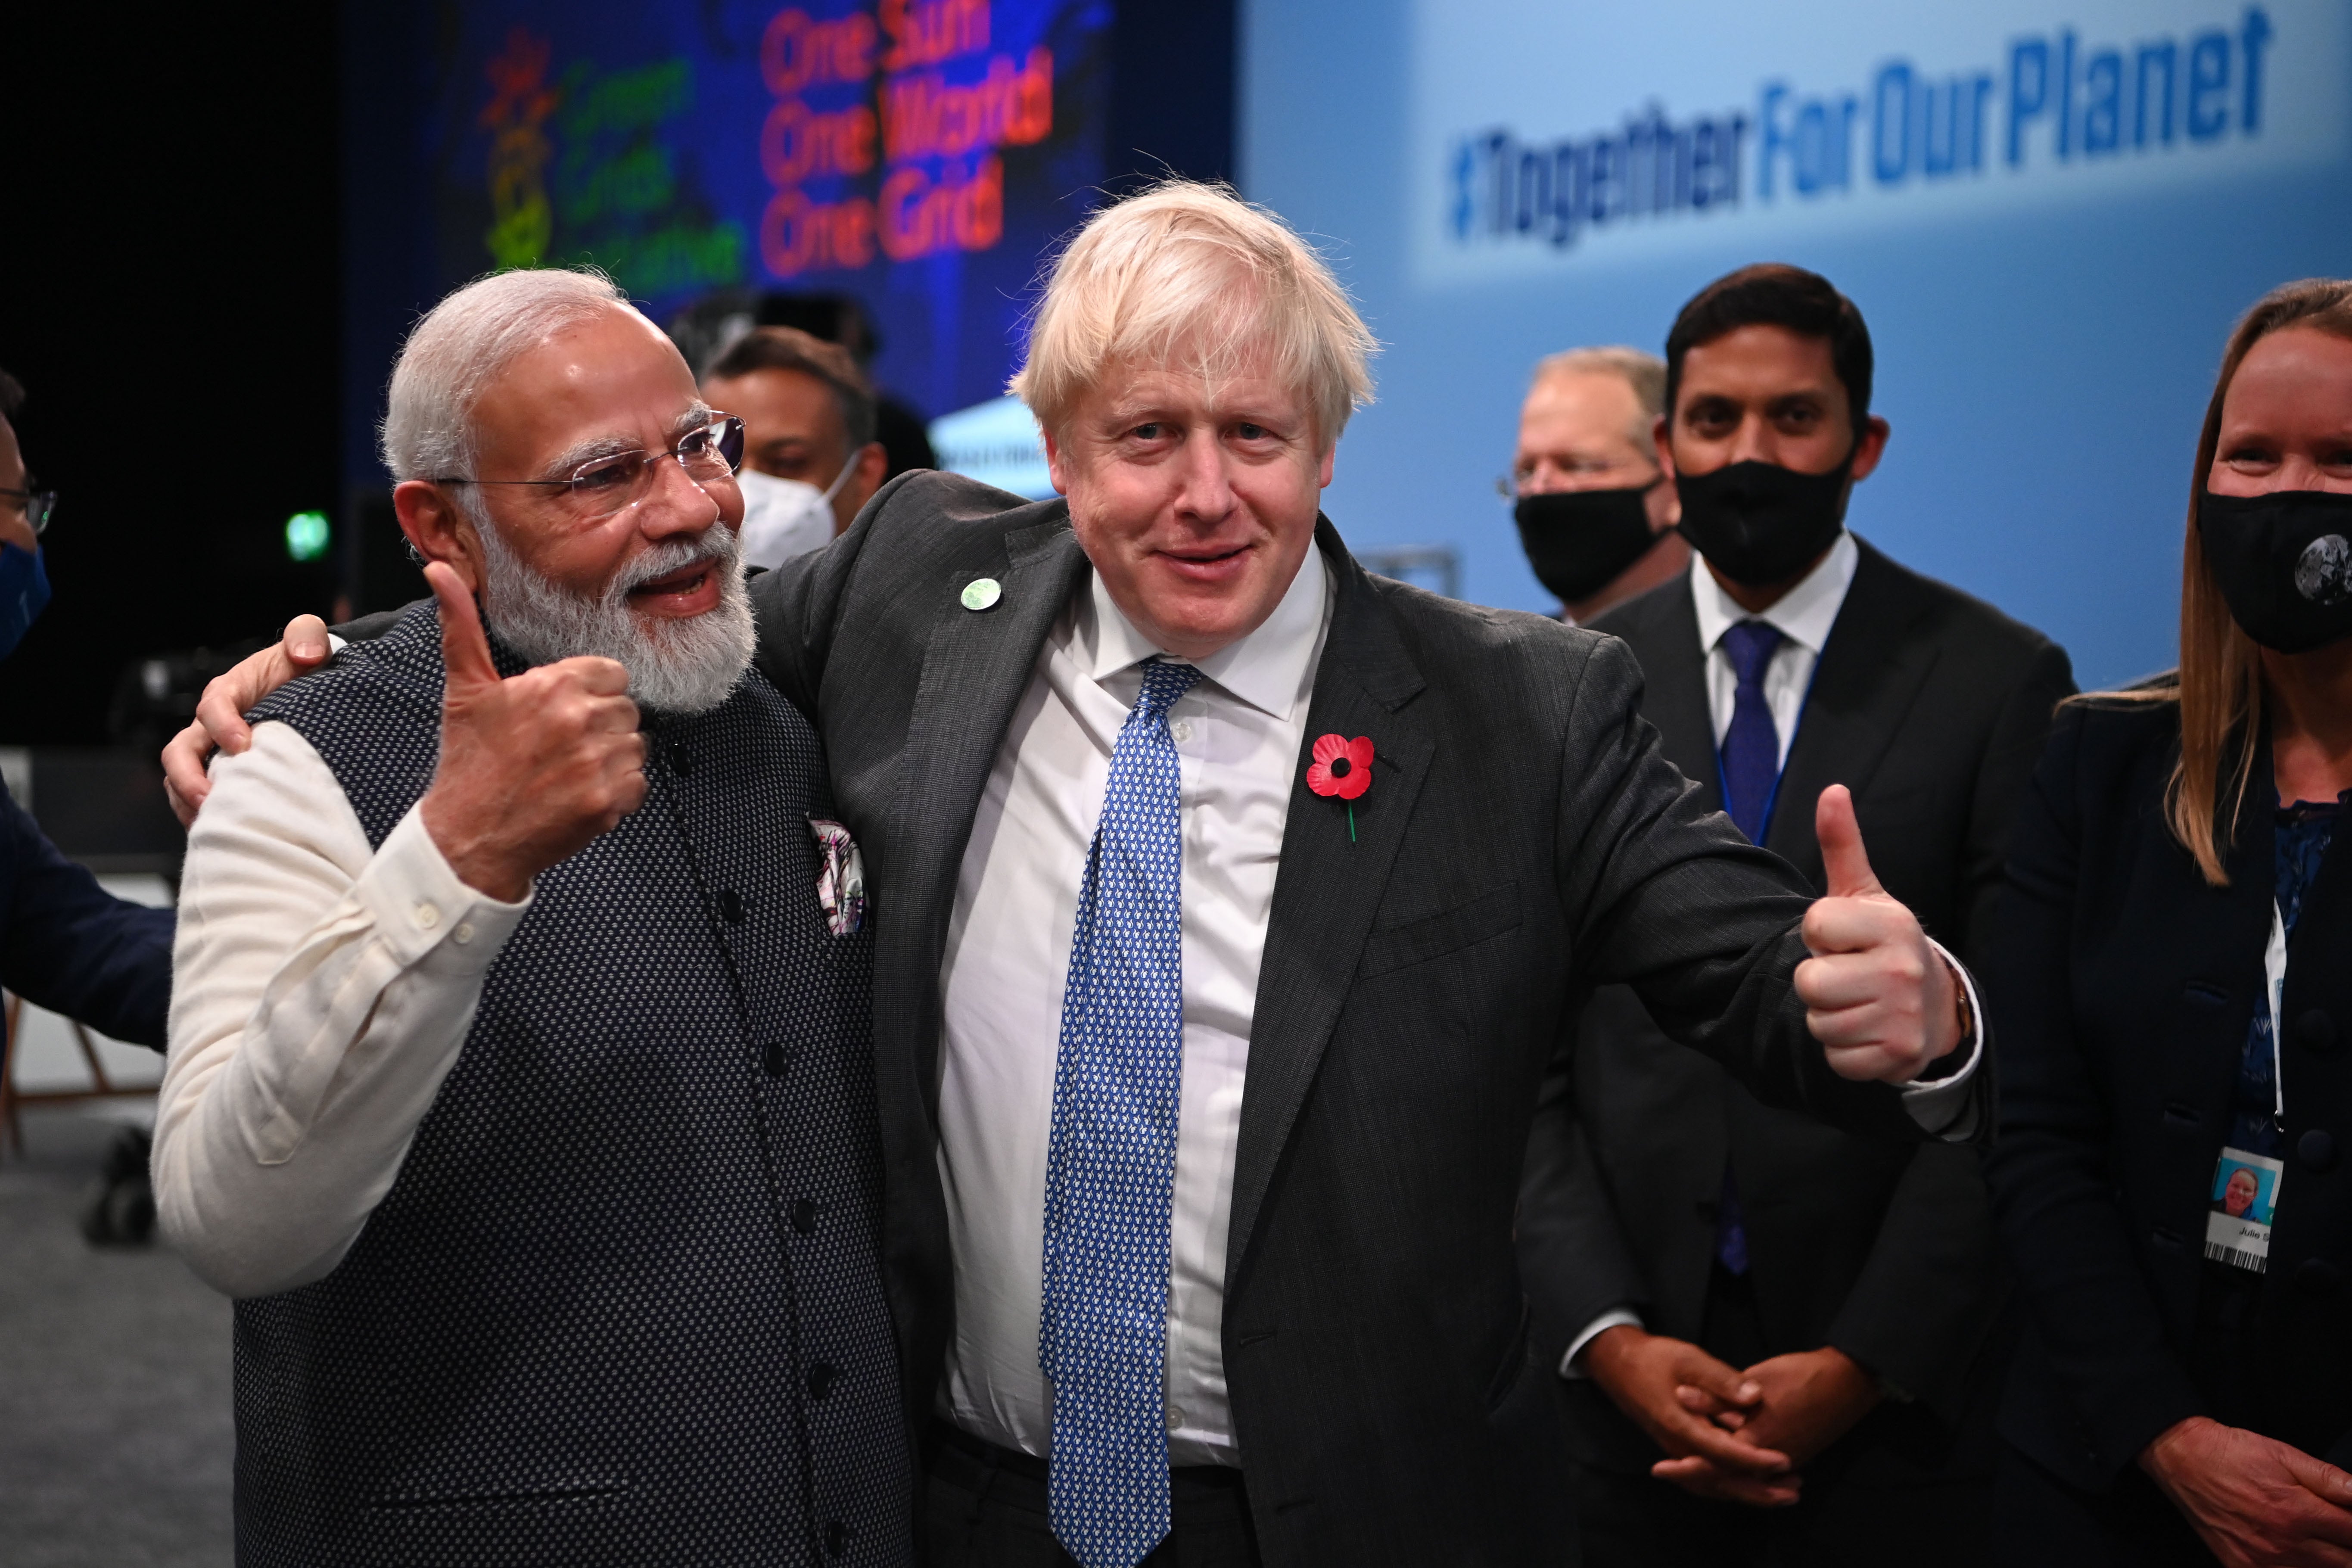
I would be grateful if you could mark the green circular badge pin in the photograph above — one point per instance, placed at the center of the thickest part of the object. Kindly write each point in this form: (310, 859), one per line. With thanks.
(982, 594)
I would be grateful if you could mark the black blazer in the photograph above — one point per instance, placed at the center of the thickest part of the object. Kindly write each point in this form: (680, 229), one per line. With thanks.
(67, 944)
(2126, 986)
(1522, 836)
(1931, 707)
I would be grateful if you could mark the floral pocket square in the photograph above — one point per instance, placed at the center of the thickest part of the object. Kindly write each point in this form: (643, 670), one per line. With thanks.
(840, 879)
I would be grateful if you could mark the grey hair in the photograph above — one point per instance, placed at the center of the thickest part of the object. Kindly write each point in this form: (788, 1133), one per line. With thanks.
(1645, 372)
(462, 345)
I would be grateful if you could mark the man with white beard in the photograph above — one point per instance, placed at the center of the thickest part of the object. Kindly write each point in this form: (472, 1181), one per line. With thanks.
(521, 1082)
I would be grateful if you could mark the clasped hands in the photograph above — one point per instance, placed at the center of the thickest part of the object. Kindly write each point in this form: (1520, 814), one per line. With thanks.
(1730, 1435)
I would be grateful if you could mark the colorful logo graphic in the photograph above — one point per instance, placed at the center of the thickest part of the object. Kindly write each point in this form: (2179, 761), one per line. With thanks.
(918, 154)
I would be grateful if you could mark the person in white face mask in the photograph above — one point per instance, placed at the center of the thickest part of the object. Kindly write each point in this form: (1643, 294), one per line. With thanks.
(810, 459)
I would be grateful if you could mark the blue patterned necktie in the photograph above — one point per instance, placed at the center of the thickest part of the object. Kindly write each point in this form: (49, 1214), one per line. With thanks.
(1110, 1170)
(1751, 767)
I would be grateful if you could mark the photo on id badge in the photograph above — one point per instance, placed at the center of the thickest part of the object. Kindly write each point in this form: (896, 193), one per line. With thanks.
(2245, 1197)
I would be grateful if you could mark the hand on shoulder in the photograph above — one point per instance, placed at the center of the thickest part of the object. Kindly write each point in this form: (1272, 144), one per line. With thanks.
(220, 721)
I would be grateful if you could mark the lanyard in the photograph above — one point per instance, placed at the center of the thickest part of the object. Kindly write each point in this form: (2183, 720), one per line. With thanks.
(2274, 977)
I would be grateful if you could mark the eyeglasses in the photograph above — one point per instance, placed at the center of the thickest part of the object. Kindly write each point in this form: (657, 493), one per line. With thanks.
(39, 507)
(598, 489)
(1514, 485)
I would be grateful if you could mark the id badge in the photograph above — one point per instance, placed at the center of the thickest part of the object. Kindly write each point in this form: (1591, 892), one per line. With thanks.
(2245, 1197)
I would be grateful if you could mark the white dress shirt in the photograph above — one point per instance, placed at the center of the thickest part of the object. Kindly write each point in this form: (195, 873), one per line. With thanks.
(321, 993)
(1238, 734)
(1804, 616)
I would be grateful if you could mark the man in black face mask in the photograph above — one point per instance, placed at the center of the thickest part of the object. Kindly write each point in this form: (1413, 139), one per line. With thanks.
(1781, 1340)
(1595, 511)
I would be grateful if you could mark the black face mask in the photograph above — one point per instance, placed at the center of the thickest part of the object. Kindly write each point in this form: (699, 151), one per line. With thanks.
(1761, 523)
(1580, 540)
(2284, 561)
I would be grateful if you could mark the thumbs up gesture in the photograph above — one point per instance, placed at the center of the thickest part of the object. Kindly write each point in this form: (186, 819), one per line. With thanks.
(533, 768)
(1883, 1003)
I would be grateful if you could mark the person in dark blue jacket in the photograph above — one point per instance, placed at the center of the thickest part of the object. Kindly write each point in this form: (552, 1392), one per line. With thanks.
(70, 946)
(2173, 1008)
(65, 943)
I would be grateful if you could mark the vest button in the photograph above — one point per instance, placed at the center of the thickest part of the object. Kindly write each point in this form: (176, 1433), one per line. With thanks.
(731, 905)
(804, 1215)
(837, 1539)
(820, 1379)
(2316, 1150)
(771, 1059)
(2314, 1031)
(681, 760)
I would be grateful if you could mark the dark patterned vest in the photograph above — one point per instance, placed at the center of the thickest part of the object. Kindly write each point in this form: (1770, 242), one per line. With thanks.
(624, 1303)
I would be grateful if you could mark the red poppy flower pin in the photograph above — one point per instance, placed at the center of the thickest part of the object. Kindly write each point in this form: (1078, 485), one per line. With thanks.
(1343, 768)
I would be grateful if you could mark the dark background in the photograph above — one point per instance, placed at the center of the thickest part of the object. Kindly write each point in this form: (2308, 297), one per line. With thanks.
(186, 198)
(168, 297)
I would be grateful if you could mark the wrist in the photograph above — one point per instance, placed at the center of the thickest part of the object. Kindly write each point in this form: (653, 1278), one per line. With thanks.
(1862, 1389)
(1607, 1350)
(1964, 1022)
(1947, 1059)
(475, 858)
(1618, 1338)
(2163, 1450)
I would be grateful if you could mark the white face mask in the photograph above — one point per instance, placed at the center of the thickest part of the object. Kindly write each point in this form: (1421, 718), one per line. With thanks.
(785, 518)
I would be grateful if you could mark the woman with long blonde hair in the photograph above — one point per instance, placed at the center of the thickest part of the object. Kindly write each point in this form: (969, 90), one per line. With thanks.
(2174, 1007)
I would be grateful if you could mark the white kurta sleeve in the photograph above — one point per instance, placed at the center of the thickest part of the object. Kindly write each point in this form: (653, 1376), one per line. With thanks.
(321, 994)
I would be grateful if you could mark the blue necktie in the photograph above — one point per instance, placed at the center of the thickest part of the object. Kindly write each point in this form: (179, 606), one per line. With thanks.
(1751, 746)
(1751, 767)
(1110, 1169)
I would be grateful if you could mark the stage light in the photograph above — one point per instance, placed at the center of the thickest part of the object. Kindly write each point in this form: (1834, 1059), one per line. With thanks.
(306, 535)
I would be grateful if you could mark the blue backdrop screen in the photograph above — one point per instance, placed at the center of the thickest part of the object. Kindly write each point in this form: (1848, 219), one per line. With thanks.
(2050, 212)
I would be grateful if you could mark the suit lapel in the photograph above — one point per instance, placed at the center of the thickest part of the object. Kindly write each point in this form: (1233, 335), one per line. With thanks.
(2218, 938)
(1869, 674)
(1328, 888)
(1674, 679)
(975, 668)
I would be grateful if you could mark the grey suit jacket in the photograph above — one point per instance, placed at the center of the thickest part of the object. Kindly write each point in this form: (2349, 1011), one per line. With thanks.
(1931, 707)
(1523, 837)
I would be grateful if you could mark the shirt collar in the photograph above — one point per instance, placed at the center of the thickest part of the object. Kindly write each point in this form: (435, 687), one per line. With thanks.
(1267, 670)
(1804, 615)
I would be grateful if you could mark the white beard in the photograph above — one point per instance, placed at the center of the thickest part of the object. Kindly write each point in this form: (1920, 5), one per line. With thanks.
(682, 666)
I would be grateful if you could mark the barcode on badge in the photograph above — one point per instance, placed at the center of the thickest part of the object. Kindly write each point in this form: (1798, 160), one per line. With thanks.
(2236, 1258)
